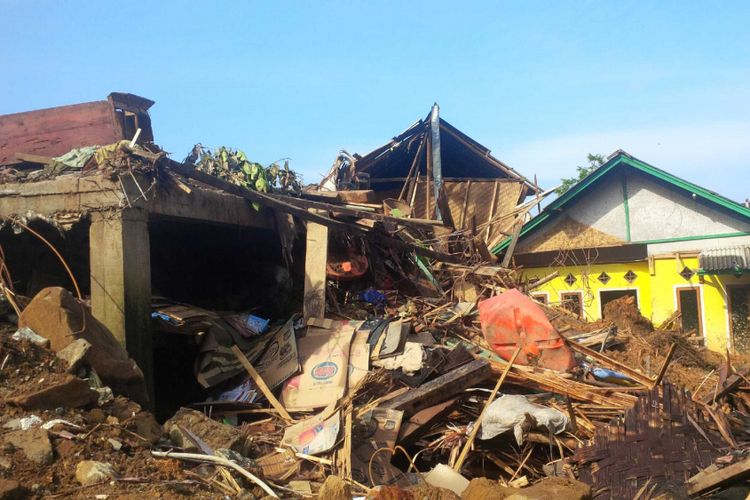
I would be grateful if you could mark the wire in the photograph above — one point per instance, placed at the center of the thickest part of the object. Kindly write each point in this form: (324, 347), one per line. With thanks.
(396, 448)
(54, 250)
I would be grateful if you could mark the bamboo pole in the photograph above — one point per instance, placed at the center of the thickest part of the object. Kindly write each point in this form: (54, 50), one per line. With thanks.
(478, 423)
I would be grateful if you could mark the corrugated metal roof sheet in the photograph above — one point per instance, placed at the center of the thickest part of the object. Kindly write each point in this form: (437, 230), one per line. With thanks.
(725, 259)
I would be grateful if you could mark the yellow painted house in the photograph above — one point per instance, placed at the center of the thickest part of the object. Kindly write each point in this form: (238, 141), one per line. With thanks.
(629, 228)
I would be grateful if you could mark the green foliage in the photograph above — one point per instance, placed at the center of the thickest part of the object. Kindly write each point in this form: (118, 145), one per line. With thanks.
(595, 161)
(233, 166)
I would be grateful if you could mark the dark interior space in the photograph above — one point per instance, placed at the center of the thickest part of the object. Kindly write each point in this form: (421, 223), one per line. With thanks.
(216, 267)
(33, 264)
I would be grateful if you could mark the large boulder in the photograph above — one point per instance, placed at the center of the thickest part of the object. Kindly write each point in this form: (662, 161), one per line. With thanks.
(71, 392)
(58, 316)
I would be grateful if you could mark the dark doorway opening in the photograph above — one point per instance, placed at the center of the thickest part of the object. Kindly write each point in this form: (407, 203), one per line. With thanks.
(689, 305)
(739, 317)
(607, 296)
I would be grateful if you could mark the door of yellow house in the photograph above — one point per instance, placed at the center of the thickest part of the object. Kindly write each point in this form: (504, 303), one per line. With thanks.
(739, 316)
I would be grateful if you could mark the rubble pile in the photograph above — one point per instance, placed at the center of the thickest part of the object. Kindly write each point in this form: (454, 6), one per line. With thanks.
(62, 436)
(416, 367)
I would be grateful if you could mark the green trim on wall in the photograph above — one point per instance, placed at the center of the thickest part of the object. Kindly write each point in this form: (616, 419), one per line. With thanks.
(694, 238)
(627, 209)
(623, 158)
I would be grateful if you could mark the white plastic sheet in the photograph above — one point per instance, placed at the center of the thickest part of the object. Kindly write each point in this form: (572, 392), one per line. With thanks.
(509, 411)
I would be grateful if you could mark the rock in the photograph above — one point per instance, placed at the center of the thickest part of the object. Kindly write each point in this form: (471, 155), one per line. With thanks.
(335, 488)
(27, 333)
(92, 472)
(482, 488)
(105, 395)
(116, 445)
(123, 408)
(96, 416)
(70, 393)
(5, 463)
(23, 423)
(559, 488)
(58, 316)
(145, 425)
(12, 490)
(74, 353)
(216, 435)
(34, 443)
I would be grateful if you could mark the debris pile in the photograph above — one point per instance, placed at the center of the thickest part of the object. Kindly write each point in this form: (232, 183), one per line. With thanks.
(415, 365)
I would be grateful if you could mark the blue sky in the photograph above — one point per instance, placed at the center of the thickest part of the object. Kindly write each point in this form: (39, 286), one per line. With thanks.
(541, 83)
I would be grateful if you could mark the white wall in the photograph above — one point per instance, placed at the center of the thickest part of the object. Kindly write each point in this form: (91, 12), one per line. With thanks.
(659, 212)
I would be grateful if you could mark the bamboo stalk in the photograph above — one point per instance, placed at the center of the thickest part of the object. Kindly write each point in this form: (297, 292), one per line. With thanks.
(478, 423)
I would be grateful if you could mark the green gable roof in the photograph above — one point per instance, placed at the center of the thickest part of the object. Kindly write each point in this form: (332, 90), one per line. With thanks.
(623, 158)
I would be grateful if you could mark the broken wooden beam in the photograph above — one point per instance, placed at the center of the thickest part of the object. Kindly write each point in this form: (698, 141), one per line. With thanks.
(705, 481)
(664, 366)
(731, 383)
(610, 363)
(261, 384)
(442, 388)
(283, 206)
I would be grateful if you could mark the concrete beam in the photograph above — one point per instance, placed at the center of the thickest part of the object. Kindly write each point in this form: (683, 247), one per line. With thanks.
(120, 263)
(73, 193)
(67, 193)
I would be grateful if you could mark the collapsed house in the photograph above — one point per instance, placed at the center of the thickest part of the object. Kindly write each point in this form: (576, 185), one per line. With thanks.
(631, 229)
(417, 362)
(434, 171)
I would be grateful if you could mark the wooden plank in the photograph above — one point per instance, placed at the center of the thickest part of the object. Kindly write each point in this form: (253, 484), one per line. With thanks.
(43, 160)
(491, 214)
(706, 481)
(54, 131)
(513, 240)
(732, 382)
(355, 212)
(465, 205)
(261, 384)
(664, 366)
(442, 388)
(316, 258)
(421, 421)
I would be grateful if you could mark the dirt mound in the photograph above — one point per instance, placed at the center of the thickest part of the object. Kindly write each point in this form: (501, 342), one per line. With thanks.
(624, 314)
(119, 433)
(644, 348)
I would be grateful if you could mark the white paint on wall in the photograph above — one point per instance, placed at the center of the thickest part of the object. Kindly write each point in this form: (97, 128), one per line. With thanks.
(602, 208)
(659, 211)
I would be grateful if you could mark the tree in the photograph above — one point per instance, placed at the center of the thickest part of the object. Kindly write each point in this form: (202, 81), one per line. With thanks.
(595, 161)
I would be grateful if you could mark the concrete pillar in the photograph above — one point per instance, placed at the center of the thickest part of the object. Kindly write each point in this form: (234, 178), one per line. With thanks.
(120, 263)
(316, 257)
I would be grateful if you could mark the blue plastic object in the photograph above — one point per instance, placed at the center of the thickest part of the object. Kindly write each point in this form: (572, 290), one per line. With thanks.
(372, 296)
(257, 325)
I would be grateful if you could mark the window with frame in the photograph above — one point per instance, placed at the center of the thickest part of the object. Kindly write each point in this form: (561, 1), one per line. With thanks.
(540, 297)
(573, 302)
